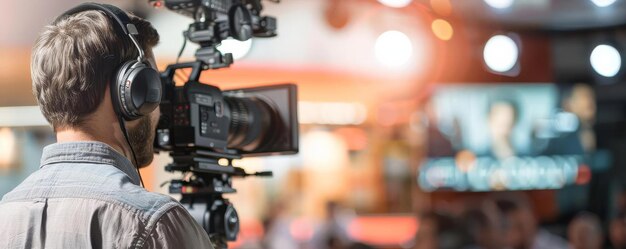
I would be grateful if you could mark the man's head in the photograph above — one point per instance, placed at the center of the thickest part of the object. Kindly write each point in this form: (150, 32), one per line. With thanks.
(580, 99)
(585, 232)
(502, 117)
(518, 222)
(617, 231)
(484, 225)
(72, 66)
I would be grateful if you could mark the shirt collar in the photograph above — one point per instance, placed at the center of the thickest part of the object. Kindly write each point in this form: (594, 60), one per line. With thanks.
(88, 152)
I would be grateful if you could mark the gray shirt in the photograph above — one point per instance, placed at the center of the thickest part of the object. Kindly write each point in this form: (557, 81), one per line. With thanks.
(86, 195)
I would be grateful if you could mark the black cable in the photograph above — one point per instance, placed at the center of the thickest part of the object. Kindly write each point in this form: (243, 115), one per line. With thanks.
(132, 151)
(180, 53)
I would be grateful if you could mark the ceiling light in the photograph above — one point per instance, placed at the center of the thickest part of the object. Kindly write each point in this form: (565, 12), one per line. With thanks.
(499, 4)
(606, 60)
(501, 53)
(393, 49)
(603, 3)
(395, 3)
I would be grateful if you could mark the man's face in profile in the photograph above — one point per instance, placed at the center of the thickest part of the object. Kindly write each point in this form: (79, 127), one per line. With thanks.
(142, 135)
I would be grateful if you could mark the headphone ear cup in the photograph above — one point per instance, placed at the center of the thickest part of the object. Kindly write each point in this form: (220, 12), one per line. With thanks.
(143, 93)
(118, 91)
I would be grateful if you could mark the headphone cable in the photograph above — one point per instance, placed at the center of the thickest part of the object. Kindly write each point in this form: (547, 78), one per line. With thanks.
(132, 151)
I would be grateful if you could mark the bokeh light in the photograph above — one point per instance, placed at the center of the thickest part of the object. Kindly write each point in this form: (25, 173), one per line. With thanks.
(606, 60)
(501, 53)
(239, 49)
(499, 4)
(396, 3)
(393, 49)
(442, 29)
(603, 3)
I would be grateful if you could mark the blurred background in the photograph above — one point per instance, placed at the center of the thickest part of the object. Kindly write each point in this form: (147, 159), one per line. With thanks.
(424, 123)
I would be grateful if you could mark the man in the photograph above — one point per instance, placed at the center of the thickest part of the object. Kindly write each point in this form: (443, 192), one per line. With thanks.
(581, 101)
(441, 231)
(86, 193)
(585, 232)
(617, 231)
(502, 117)
(483, 223)
(520, 227)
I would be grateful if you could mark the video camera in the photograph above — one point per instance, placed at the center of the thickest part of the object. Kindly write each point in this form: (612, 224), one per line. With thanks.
(205, 128)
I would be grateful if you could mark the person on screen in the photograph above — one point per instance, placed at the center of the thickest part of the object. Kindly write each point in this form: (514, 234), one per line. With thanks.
(502, 116)
(87, 193)
(580, 100)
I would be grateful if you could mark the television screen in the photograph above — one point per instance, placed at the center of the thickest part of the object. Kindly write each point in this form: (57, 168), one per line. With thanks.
(506, 137)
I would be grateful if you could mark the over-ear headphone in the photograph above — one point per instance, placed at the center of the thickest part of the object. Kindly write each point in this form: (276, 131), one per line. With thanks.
(136, 88)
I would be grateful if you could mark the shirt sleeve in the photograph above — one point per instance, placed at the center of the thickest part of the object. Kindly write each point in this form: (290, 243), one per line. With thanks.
(177, 229)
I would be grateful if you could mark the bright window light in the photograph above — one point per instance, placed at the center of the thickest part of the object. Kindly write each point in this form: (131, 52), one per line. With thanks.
(606, 60)
(603, 3)
(20, 116)
(7, 147)
(239, 49)
(501, 53)
(499, 4)
(393, 49)
(396, 3)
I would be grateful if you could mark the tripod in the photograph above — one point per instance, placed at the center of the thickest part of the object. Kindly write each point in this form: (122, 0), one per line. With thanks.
(202, 192)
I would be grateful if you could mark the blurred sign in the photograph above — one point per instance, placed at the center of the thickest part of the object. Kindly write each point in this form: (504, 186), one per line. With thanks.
(488, 174)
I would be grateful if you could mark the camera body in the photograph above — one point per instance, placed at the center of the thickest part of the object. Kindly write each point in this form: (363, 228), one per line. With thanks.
(242, 122)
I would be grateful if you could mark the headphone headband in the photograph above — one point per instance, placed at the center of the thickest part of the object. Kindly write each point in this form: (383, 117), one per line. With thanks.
(116, 15)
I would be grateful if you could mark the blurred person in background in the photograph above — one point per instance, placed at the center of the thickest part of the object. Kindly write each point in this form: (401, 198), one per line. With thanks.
(438, 144)
(483, 223)
(277, 227)
(502, 117)
(520, 226)
(442, 231)
(333, 232)
(585, 232)
(617, 231)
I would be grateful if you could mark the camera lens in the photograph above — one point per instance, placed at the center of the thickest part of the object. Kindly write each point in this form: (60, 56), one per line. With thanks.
(252, 122)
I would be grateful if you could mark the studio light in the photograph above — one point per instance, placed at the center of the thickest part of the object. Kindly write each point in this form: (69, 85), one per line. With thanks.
(396, 3)
(605, 60)
(603, 3)
(442, 29)
(239, 49)
(393, 49)
(501, 53)
(499, 4)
